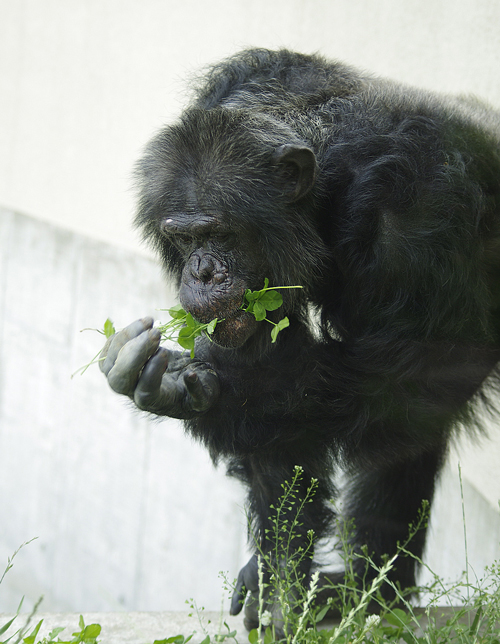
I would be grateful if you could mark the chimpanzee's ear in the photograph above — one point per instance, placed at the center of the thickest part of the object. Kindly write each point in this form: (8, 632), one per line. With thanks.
(298, 165)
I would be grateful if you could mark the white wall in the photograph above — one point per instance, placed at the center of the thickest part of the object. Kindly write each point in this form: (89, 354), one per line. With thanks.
(83, 84)
(129, 513)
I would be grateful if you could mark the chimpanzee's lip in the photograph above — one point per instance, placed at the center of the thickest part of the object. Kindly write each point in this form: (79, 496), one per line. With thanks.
(206, 316)
(233, 330)
(205, 309)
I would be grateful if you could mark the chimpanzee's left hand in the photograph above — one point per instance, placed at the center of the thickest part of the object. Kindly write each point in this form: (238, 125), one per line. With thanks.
(160, 381)
(246, 596)
(246, 593)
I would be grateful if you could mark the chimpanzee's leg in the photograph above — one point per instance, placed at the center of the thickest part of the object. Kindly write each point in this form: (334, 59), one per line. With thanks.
(382, 502)
(286, 522)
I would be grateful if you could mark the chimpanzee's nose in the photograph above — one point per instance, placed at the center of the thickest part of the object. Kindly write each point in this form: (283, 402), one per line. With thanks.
(202, 268)
(205, 269)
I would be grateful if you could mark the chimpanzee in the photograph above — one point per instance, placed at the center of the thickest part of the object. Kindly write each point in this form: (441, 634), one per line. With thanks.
(383, 203)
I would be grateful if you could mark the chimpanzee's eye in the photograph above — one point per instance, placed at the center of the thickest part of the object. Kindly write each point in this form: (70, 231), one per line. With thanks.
(184, 242)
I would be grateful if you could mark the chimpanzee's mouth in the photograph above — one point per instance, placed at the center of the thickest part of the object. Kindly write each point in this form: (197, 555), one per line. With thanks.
(234, 325)
(233, 330)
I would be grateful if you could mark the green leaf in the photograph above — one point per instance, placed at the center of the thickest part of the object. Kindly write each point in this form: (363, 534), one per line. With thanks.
(268, 636)
(32, 637)
(91, 631)
(271, 300)
(211, 326)
(397, 617)
(109, 328)
(7, 625)
(321, 615)
(186, 333)
(475, 623)
(87, 634)
(55, 632)
(190, 321)
(259, 311)
(175, 639)
(177, 312)
(186, 342)
(250, 296)
(282, 324)
(225, 636)
(253, 636)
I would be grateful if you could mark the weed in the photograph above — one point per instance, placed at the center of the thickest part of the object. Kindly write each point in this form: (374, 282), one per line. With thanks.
(476, 620)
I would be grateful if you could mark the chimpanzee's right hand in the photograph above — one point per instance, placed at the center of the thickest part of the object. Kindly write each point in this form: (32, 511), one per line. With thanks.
(168, 383)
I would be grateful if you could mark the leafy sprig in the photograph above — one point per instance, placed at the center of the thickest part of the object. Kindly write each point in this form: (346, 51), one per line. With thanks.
(87, 634)
(108, 330)
(184, 329)
(267, 299)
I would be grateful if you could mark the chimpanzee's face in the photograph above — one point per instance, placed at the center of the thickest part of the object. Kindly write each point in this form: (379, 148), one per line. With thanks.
(220, 200)
(215, 274)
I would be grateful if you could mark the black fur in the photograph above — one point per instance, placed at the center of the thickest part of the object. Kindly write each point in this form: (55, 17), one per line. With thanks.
(396, 243)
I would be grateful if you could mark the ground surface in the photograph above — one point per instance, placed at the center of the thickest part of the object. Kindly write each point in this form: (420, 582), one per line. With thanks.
(131, 628)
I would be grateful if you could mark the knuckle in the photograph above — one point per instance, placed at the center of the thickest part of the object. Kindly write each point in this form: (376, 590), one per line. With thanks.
(145, 400)
(121, 381)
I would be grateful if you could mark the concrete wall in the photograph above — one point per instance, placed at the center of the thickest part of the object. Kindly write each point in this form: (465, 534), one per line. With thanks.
(129, 513)
(84, 83)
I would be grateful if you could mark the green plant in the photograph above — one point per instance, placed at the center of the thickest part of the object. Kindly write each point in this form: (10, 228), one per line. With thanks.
(108, 330)
(284, 561)
(300, 612)
(476, 621)
(184, 329)
(267, 299)
(86, 634)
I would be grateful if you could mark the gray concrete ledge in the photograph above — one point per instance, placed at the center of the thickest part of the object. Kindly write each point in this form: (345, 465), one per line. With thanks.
(131, 628)
(146, 627)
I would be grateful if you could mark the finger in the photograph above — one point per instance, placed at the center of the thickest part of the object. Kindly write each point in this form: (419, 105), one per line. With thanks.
(251, 617)
(130, 361)
(203, 389)
(115, 343)
(149, 394)
(238, 596)
(152, 374)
